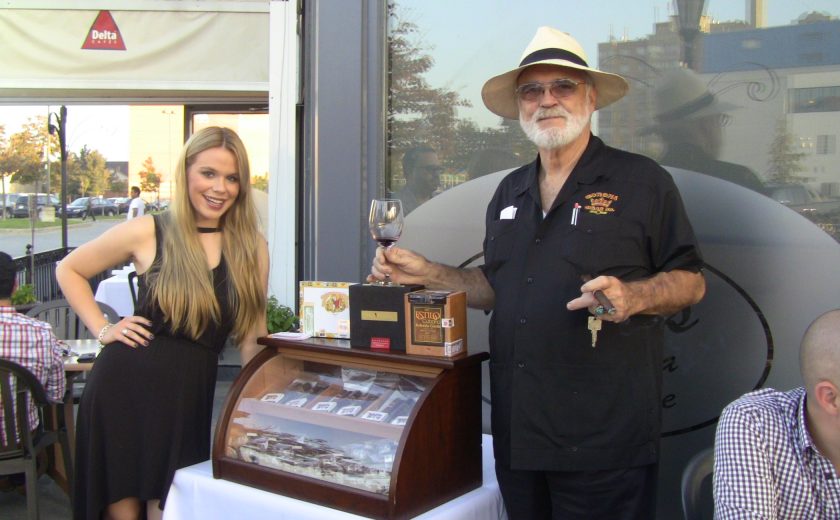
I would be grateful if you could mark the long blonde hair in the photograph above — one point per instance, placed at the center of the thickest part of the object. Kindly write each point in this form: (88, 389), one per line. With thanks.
(183, 287)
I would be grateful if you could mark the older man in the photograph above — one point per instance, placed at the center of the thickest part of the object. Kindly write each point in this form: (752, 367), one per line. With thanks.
(777, 454)
(575, 382)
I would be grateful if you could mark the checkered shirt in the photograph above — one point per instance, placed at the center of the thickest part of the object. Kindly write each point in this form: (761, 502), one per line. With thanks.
(31, 343)
(766, 464)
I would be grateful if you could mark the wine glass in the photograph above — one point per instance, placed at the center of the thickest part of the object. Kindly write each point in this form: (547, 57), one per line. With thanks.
(386, 221)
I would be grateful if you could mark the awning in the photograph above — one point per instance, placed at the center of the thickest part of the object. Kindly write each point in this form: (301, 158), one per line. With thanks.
(168, 56)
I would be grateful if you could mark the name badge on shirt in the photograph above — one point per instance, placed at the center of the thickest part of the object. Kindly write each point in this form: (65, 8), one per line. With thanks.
(509, 213)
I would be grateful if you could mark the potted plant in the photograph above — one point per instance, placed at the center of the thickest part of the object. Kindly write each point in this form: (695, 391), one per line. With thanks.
(280, 318)
(24, 298)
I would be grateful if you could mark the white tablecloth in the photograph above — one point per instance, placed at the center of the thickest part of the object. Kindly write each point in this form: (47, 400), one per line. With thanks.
(196, 494)
(115, 292)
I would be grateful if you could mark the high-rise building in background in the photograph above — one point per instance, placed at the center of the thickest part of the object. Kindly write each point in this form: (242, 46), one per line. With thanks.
(788, 74)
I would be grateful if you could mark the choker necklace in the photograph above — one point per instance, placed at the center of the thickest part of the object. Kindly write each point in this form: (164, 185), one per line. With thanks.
(209, 229)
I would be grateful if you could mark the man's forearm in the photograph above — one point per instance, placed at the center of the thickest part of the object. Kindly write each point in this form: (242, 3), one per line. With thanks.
(667, 292)
(480, 294)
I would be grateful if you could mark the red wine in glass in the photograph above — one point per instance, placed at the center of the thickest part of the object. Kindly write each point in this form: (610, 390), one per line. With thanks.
(386, 242)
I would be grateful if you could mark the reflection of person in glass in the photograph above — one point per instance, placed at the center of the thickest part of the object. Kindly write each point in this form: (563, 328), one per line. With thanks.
(421, 169)
(777, 453)
(575, 414)
(690, 120)
(202, 274)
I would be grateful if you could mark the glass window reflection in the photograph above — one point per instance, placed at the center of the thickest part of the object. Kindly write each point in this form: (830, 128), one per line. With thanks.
(772, 89)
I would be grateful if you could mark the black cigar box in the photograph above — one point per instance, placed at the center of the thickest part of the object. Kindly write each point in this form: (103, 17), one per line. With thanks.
(377, 315)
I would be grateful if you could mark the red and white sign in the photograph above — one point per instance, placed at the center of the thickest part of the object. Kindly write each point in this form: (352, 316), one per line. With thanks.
(104, 34)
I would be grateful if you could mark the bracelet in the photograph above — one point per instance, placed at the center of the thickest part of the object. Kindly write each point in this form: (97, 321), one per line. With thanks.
(102, 332)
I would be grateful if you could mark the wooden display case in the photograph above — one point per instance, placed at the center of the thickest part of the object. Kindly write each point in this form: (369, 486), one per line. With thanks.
(380, 434)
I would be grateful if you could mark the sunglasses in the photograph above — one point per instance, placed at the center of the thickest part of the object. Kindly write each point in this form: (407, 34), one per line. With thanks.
(559, 88)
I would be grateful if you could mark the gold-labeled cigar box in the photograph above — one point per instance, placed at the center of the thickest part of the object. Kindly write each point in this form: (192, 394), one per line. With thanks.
(325, 309)
(377, 316)
(436, 323)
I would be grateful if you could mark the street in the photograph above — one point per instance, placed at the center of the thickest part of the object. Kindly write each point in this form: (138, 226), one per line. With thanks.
(14, 242)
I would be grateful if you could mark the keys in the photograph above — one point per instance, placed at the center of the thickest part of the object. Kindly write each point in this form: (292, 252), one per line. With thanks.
(594, 325)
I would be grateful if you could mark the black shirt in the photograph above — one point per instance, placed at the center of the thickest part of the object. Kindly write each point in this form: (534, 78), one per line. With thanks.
(558, 403)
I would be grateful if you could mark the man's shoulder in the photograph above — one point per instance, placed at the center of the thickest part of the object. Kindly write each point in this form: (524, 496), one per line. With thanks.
(767, 402)
(516, 178)
(24, 321)
(641, 163)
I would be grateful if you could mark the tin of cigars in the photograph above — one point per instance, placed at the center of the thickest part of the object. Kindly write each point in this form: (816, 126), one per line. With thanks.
(436, 323)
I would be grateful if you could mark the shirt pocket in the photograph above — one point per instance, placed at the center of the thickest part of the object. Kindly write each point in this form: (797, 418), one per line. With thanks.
(499, 242)
(604, 244)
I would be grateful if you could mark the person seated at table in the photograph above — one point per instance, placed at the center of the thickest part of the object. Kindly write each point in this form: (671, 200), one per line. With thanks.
(202, 275)
(29, 343)
(777, 454)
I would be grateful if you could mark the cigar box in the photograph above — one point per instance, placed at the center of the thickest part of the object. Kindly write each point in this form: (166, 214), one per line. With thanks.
(377, 316)
(325, 309)
(436, 323)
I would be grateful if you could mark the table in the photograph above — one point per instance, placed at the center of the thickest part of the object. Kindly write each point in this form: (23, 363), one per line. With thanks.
(115, 292)
(196, 494)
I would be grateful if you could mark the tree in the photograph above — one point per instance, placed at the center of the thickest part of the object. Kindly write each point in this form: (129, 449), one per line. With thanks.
(118, 185)
(150, 178)
(417, 113)
(421, 115)
(260, 182)
(785, 161)
(92, 168)
(22, 155)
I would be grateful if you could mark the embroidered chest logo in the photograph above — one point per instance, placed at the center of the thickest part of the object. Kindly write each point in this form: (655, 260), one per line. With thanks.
(600, 203)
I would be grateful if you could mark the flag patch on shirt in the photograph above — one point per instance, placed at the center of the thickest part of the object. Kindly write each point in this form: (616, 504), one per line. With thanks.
(600, 203)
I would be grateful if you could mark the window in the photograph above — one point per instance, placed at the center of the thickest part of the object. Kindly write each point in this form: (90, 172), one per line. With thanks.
(826, 144)
(815, 99)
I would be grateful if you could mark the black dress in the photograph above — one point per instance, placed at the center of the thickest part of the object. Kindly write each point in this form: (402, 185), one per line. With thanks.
(146, 411)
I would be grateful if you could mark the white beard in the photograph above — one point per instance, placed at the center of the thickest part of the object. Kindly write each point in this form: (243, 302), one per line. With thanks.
(551, 138)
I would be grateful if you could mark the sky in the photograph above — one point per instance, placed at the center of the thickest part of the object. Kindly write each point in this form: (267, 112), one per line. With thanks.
(101, 127)
(466, 54)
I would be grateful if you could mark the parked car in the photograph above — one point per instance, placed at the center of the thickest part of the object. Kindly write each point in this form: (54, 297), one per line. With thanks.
(157, 206)
(121, 203)
(9, 209)
(99, 205)
(801, 198)
(41, 200)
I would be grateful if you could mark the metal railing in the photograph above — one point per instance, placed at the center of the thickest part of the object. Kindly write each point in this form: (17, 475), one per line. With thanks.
(39, 270)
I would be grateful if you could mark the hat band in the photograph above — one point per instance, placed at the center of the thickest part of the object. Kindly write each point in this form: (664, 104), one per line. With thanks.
(552, 54)
(689, 108)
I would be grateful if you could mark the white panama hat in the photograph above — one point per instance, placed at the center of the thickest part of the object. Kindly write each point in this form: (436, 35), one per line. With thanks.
(682, 95)
(553, 47)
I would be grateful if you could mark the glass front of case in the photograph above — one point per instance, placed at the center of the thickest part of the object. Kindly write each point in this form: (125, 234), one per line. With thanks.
(324, 420)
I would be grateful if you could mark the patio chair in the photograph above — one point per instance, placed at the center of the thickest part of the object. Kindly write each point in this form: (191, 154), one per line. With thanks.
(20, 447)
(698, 469)
(65, 323)
(132, 277)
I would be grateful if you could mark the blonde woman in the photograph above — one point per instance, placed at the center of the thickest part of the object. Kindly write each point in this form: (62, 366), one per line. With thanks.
(202, 272)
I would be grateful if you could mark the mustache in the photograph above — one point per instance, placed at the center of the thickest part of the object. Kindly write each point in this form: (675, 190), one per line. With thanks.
(542, 113)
